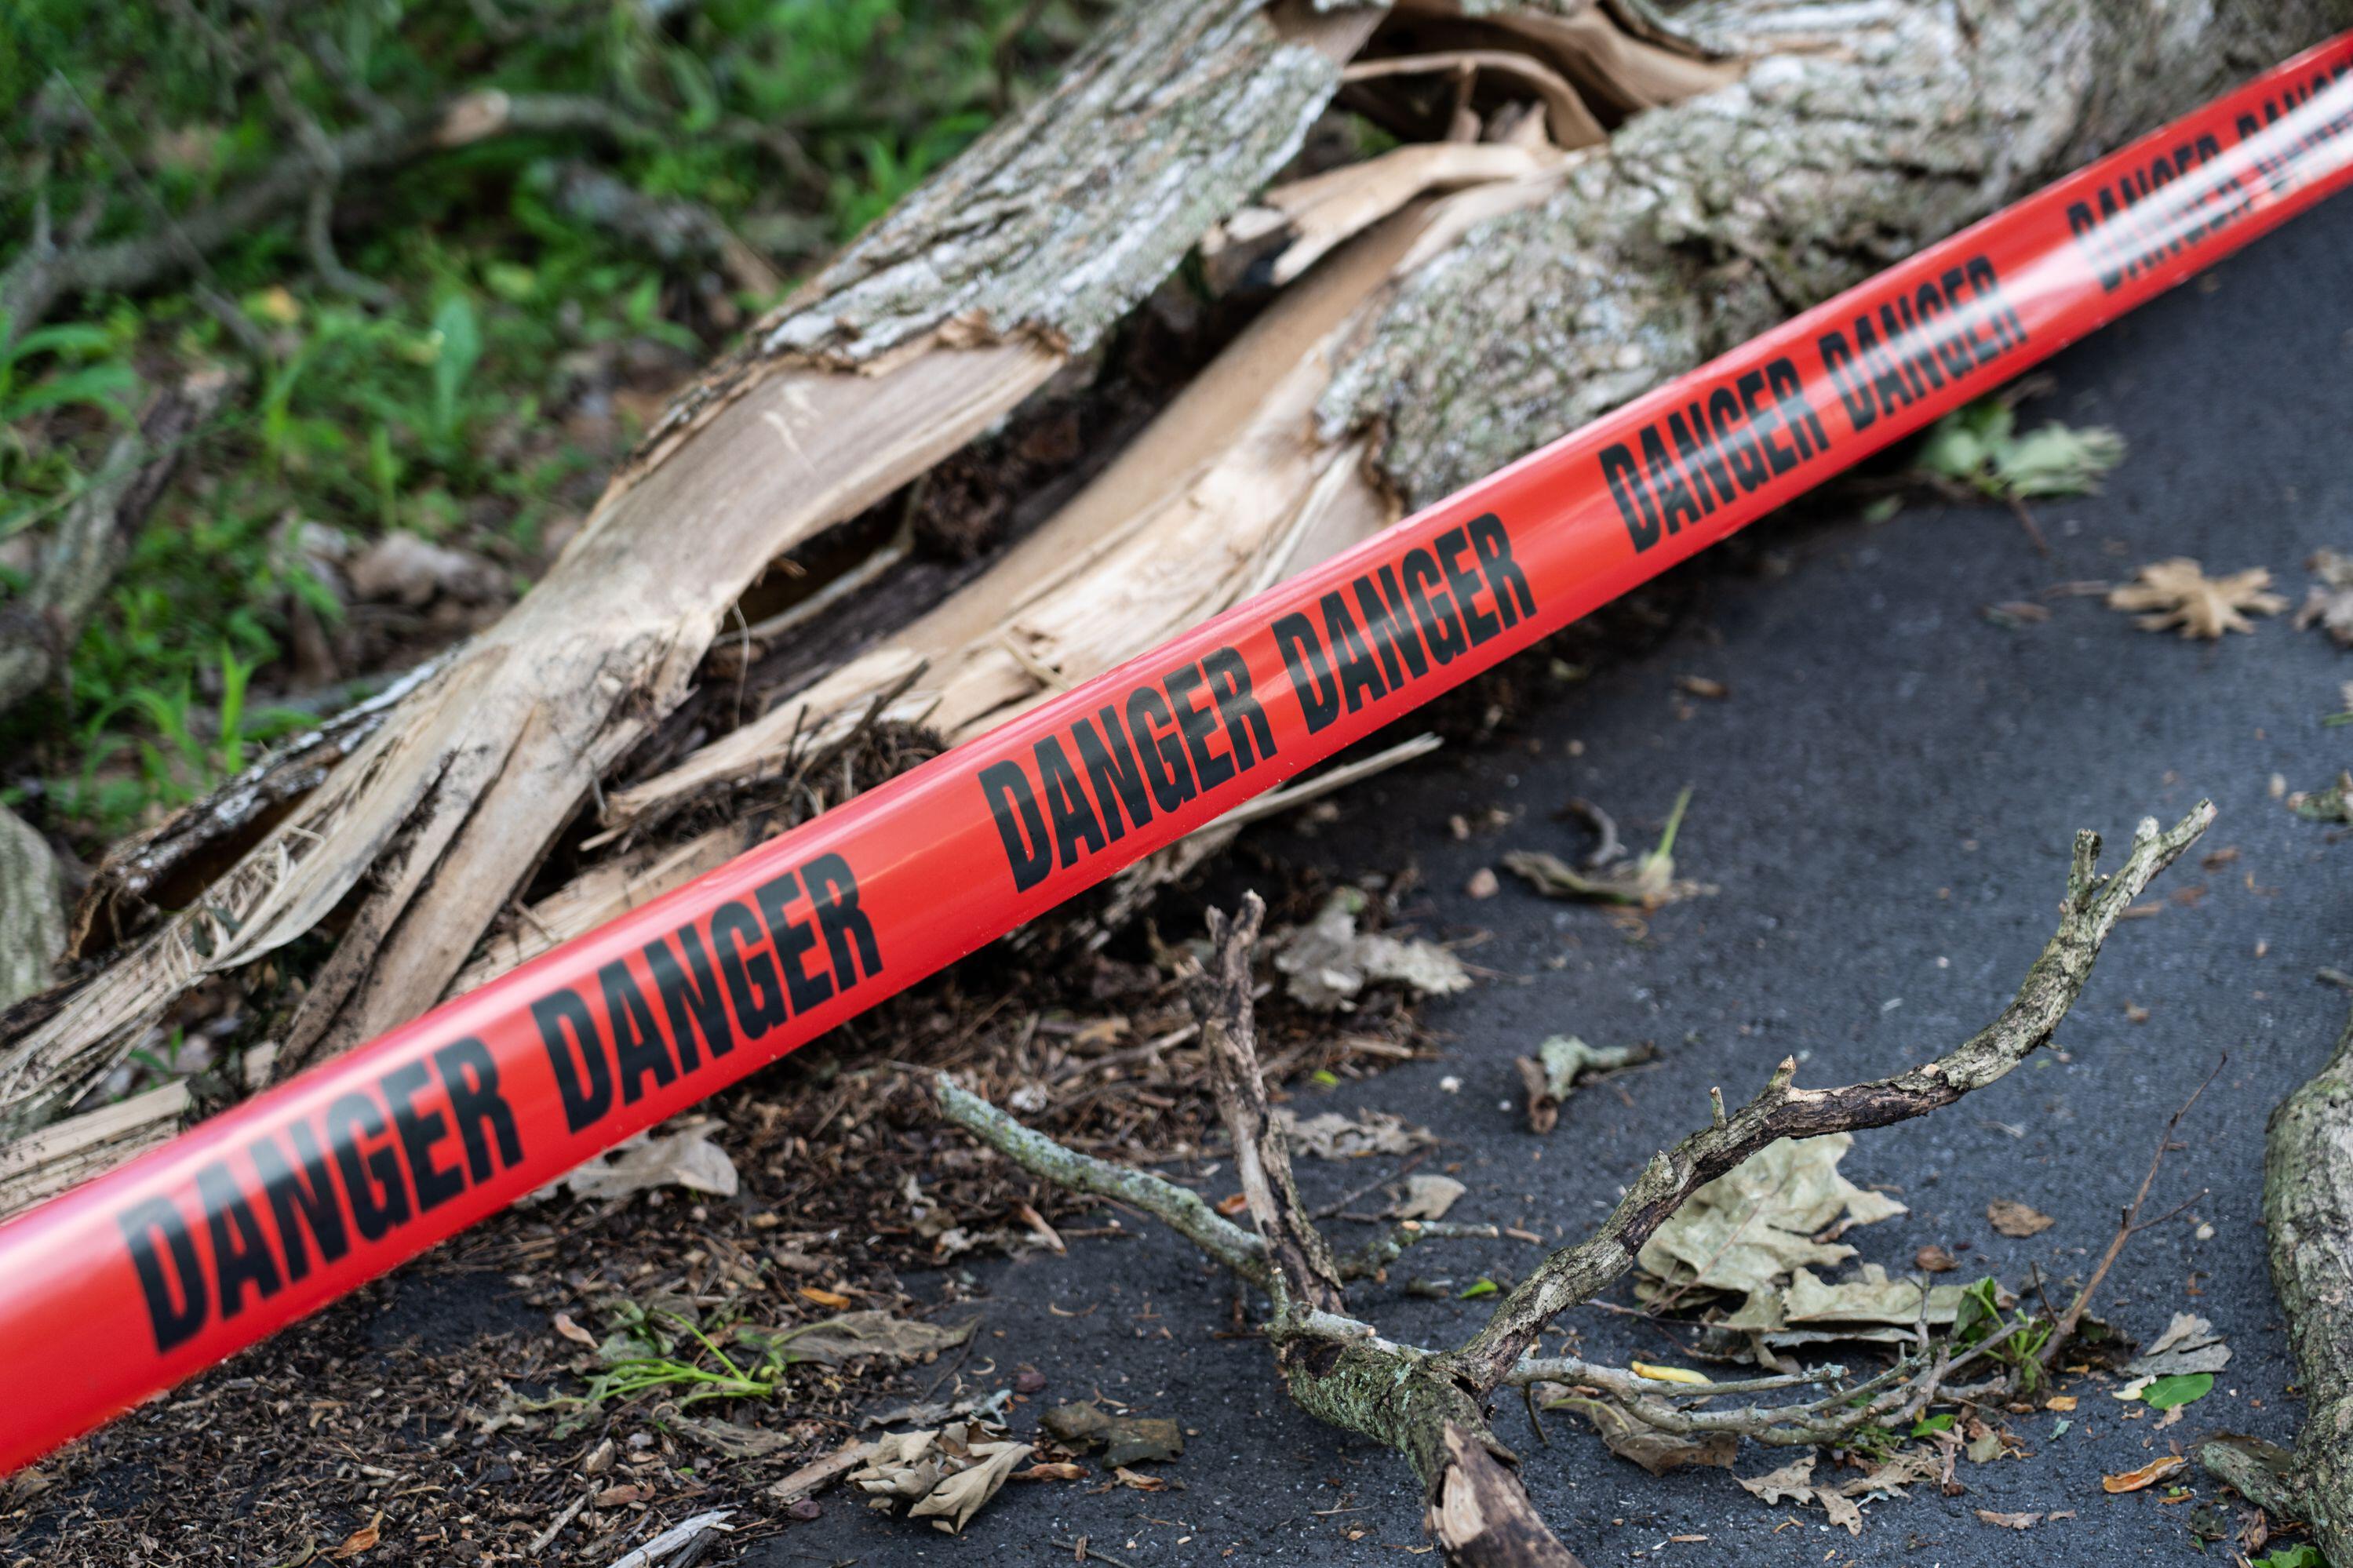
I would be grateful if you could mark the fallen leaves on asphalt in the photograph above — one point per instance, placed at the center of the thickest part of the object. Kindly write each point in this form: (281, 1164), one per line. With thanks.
(946, 1476)
(2016, 1220)
(2189, 1345)
(2149, 1475)
(2177, 592)
(1552, 1075)
(1331, 1136)
(2328, 604)
(1745, 1232)
(1328, 961)
(1428, 1197)
(1125, 1439)
(1639, 1443)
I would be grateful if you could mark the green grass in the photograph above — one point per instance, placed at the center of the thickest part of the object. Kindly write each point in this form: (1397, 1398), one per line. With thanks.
(452, 403)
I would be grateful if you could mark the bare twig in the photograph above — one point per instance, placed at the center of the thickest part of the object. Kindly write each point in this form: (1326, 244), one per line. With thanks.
(45, 272)
(1181, 1209)
(2127, 1226)
(1304, 1274)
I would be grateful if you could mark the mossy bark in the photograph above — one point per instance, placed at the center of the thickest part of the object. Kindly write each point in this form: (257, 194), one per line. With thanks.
(2308, 1223)
(1861, 132)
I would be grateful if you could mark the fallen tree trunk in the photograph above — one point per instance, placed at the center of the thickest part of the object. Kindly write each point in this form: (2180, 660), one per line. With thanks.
(2308, 1229)
(1489, 290)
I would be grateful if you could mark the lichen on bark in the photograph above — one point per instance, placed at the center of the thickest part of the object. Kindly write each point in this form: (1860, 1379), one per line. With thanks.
(1860, 134)
(2308, 1229)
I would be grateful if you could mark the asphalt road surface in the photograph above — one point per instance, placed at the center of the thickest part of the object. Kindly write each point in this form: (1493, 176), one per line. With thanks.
(1885, 802)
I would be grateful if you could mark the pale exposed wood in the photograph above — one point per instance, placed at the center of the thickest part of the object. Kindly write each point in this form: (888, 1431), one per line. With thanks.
(940, 319)
(48, 1161)
(1295, 225)
(1578, 267)
(1573, 125)
(435, 819)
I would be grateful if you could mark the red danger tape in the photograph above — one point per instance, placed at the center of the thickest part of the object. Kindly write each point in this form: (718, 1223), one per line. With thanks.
(123, 1287)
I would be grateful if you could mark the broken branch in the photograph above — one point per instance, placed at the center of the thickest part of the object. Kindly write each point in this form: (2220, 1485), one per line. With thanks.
(2088, 914)
(1433, 1407)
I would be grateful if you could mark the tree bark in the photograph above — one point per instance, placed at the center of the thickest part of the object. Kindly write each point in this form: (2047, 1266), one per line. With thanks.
(2308, 1229)
(1448, 329)
(927, 330)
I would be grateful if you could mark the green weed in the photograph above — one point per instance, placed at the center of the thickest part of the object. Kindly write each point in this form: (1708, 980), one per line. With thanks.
(449, 406)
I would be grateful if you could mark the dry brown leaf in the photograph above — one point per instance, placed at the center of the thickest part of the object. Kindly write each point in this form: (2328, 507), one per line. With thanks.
(832, 1301)
(1934, 1259)
(2149, 1475)
(2178, 592)
(2329, 602)
(2014, 1218)
(1063, 1471)
(1656, 1451)
(2009, 1520)
(360, 1540)
(686, 1159)
(1138, 1482)
(950, 1504)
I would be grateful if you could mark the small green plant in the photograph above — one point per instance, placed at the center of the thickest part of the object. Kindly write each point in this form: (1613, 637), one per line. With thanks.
(162, 1066)
(667, 1350)
(2303, 1554)
(2024, 1334)
(658, 1348)
(1980, 446)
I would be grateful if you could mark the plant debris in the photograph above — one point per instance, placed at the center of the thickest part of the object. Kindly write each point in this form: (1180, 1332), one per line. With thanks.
(1646, 881)
(2013, 1218)
(1552, 1075)
(2328, 604)
(2189, 1345)
(834, 1341)
(2178, 592)
(946, 1476)
(1744, 1233)
(1794, 1482)
(2148, 1476)
(2017, 1521)
(1428, 1197)
(680, 1543)
(1329, 961)
(1125, 1439)
(1656, 1451)
(2333, 804)
(1870, 1306)
(1331, 1136)
(687, 1158)
(1979, 446)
